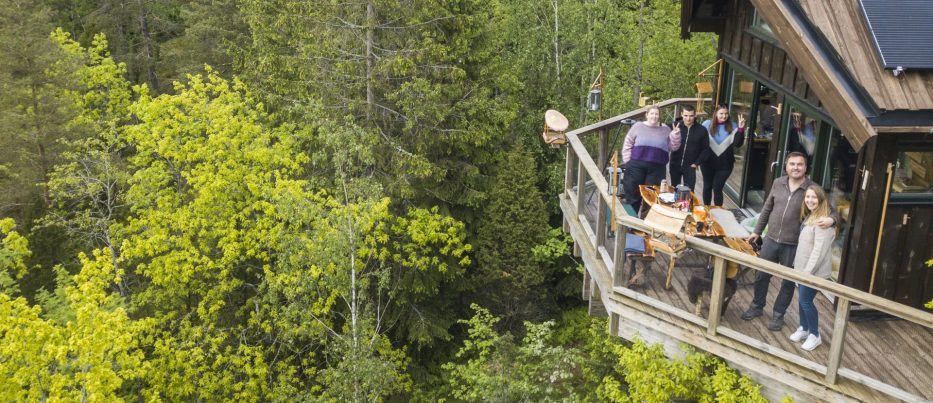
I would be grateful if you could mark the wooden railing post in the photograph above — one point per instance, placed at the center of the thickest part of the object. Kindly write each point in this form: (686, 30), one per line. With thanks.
(581, 192)
(568, 172)
(838, 342)
(618, 257)
(715, 298)
(613, 323)
(602, 209)
(568, 180)
(581, 186)
(603, 148)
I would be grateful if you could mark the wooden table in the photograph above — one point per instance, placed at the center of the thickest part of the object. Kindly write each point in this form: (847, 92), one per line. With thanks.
(671, 245)
(711, 228)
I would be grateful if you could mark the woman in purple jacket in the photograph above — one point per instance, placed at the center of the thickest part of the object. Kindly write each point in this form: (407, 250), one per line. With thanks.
(646, 152)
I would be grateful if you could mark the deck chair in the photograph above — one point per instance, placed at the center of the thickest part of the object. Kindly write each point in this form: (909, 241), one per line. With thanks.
(668, 237)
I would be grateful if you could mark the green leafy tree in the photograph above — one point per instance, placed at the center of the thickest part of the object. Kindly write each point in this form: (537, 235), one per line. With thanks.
(491, 367)
(14, 250)
(205, 175)
(94, 355)
(652, 377)
(87, 186)
(239, 261)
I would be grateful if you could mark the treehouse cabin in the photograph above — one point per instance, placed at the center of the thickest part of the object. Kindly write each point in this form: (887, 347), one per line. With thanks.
(850, 84)
(823, 77)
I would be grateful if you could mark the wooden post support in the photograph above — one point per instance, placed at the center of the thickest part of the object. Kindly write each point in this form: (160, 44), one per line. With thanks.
(568, 172)
(618, 258)
(581, 187)
(838, 342)
(614, 324)
(601, 213)
(613, 187)
(581, 199)
(586, 284)
(715, 298)
(603, 147)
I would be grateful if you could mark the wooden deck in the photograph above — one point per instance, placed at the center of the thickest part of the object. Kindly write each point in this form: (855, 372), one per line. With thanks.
(873, 361)
(896, 352)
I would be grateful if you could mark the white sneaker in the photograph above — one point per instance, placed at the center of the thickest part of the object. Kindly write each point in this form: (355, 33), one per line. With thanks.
(812, 342)
(799, 335)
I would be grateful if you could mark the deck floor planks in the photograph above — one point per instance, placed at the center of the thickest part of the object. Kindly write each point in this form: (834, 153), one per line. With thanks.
(884, 350)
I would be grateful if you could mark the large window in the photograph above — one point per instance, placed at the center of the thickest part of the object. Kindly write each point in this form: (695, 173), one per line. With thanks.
(760, 26)
(839, 181)
(804, 133)
(913, 172)
(742, 97)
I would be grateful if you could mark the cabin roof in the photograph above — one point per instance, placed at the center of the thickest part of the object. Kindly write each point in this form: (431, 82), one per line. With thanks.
(902, 32)
(831, 43)
(843, 24)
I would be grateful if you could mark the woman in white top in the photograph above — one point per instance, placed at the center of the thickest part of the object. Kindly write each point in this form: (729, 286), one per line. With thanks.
(813, 257)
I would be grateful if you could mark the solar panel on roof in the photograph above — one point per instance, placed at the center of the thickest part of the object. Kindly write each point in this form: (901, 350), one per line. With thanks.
(902, 30)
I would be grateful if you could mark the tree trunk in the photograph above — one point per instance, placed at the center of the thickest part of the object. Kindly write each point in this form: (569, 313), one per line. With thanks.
(370, 27)
(41, 153)
(148, 48)
(556, 40)
(641, 51)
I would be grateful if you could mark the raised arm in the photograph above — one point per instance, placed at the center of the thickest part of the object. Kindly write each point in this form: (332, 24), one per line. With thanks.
(673, 140)
(738, 134)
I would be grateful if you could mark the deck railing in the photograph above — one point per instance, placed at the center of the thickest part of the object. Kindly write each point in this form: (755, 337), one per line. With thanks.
(582, 173)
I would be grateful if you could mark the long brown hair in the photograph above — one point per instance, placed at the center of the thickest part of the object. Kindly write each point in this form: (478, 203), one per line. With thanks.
(714, 122)
(822, 207)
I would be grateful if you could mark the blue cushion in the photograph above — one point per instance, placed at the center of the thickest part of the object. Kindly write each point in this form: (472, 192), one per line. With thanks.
(634, 243)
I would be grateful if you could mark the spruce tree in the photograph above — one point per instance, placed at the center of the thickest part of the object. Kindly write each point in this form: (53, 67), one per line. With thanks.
(510, 282)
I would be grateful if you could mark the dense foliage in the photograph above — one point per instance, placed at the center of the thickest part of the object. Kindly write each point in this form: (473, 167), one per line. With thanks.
(283, 200)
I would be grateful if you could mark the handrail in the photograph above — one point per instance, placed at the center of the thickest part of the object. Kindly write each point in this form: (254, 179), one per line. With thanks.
(616, 120)
(861, 297)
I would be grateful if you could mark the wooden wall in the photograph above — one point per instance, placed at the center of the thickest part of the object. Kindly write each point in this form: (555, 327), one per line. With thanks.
(901, 274)
(738, 44)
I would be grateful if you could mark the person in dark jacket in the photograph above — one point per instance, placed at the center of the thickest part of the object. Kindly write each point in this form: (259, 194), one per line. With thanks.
(694, 149)
(724, 138)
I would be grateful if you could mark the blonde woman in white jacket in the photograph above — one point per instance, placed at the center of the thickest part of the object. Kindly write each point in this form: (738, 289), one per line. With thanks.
(813, 257)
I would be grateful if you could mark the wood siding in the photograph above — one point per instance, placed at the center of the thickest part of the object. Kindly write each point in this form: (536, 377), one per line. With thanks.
(765, 59)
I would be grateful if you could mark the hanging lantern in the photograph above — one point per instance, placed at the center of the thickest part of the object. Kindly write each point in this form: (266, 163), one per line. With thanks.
(594, 101)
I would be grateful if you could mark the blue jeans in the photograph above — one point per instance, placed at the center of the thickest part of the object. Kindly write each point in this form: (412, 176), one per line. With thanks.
(783, 254)
(809, 318)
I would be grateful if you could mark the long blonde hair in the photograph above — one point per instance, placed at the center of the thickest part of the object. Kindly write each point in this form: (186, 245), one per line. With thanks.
(821, 210)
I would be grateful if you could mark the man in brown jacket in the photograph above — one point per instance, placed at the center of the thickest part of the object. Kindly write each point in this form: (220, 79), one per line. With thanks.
(781, 214)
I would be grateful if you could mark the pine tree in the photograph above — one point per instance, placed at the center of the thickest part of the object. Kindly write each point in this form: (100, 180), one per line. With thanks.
(509, 280)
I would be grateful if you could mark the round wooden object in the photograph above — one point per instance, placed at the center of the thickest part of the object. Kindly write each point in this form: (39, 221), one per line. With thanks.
(555, 120)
